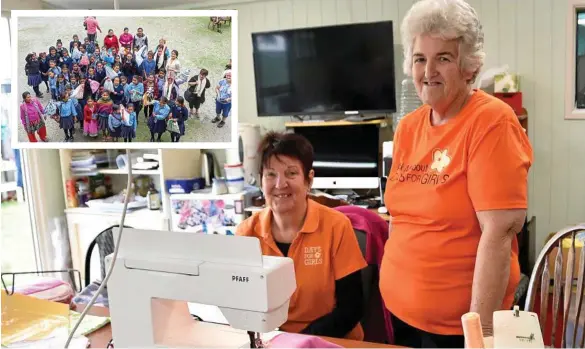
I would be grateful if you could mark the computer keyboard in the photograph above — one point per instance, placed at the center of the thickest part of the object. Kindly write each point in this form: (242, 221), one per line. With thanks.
(367, 203)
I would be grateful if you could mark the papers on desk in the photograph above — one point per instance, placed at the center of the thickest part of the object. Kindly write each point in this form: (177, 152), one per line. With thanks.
(31, 322)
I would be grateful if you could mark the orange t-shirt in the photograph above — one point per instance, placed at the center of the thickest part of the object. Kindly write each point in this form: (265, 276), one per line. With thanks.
(440, 176)
(325, 250)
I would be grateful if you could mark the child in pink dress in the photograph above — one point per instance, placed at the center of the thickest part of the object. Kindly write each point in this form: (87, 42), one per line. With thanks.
(90, 125)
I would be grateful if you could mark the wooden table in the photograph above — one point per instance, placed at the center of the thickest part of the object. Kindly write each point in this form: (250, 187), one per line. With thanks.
(101, 337)
(384, 216)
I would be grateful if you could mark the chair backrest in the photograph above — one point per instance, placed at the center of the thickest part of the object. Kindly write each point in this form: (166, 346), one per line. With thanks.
(565, 326)
(369, 272)
(105, 243)
(373, 318)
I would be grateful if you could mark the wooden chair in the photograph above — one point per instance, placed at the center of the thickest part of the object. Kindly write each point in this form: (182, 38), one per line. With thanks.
(568, 282)
(226, 20)
(215, 23)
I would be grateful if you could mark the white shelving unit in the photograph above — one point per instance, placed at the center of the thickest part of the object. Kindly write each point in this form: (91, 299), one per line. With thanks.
(113, 171)
(85, 223)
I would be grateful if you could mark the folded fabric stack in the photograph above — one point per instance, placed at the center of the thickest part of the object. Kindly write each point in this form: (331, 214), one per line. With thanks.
(46, 288)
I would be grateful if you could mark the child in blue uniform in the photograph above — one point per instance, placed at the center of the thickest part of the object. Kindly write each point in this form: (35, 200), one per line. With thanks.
(181, 114)
(115, 122)
(129, 125)
(157, 122)
(67, 113)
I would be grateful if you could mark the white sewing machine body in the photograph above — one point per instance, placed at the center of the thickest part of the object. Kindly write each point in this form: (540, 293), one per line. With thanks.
(517, 329)
(252, 291)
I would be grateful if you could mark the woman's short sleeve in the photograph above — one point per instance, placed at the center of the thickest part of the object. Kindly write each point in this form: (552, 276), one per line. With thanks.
(499, 160)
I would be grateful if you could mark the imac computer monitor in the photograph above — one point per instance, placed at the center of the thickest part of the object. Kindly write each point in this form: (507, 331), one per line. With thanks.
(345, 157)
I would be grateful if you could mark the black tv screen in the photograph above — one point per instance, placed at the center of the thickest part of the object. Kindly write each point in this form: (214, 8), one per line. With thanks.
(325, 70)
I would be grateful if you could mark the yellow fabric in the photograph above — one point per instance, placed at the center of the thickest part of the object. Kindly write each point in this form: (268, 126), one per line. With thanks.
(29, 318)
(578, 241)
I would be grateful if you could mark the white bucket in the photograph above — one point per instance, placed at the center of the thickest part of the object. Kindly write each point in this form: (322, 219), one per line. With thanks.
(235, 185)
(234, 171)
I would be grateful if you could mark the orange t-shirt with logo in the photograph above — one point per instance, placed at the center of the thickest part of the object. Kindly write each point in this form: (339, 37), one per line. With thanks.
(440, 176)
(325, 250)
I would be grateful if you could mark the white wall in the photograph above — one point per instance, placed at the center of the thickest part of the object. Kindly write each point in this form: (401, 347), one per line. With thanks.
(8, 5)
(528, 35)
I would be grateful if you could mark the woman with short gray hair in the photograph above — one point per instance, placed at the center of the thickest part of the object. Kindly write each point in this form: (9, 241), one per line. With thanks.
(466, 154)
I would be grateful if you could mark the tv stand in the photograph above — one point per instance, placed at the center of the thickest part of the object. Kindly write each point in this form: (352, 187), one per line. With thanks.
(361, 117)
(302, 118)
(328, 123)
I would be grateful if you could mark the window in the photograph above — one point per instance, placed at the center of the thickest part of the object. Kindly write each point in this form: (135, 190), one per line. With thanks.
(580, 61)
(575, 64)
(22, 254)
(5, 68)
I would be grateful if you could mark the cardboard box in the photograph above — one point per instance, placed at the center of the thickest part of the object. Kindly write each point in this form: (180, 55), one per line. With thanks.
(506, 83)
(514, 100)
(579, 242)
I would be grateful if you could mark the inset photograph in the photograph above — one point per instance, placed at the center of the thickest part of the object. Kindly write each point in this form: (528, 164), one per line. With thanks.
(111, 77)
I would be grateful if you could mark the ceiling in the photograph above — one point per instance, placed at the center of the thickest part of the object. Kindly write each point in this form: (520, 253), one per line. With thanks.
(109, 4)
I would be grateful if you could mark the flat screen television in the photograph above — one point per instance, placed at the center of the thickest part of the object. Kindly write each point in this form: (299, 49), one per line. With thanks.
(325, 70)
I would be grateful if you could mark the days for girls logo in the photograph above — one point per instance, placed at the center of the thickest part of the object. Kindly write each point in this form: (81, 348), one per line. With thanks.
(432, 173)
(313, 255)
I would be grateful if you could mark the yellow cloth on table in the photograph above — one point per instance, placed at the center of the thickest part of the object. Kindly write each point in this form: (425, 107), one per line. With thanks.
(26, 318)
(29, 318)
(89, 324)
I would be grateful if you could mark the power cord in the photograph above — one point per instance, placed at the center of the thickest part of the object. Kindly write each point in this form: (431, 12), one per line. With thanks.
(114, 258)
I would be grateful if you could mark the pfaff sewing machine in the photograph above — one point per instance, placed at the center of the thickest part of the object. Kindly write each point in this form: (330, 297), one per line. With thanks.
(155, 267)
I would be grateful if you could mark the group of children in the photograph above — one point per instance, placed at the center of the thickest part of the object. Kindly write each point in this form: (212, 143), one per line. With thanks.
(108, 117)
(90, 84)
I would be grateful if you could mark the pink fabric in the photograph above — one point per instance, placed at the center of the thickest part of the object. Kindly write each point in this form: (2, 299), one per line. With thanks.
(376, 229)
(92, 25)
(94, 85)
(90, 127)
(47, 288)
(33, 114)
(295, 340)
